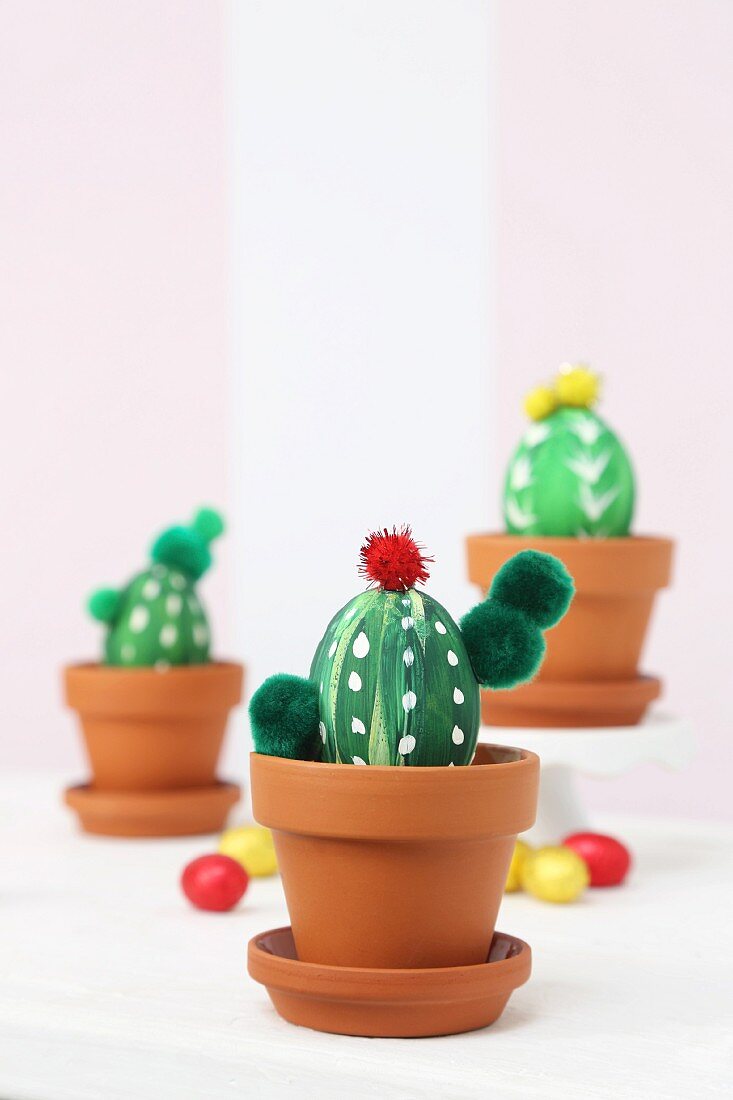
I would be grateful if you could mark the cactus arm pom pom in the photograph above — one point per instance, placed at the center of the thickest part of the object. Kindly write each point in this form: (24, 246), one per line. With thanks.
(104, 604)
(187, 548)
(505, 648)
(209, 524)
(284, 716)
(537, 584)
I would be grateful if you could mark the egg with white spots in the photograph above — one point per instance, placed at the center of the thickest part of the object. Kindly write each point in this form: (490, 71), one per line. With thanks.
(398, 659)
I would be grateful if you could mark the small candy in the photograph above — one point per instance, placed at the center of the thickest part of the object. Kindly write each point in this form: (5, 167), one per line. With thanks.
(252, 846)
(608, 859)
(214, 882)
(514, 877)
(554, 874)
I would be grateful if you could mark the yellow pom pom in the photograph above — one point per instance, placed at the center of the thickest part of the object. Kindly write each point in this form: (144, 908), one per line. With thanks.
(576, 385)
(514, 877)
(540, 402)
(555, 874)
(252, 846)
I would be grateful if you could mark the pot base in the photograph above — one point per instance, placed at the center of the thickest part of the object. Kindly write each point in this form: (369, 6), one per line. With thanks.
(188, 811)
(398, 1004)
(566, 704)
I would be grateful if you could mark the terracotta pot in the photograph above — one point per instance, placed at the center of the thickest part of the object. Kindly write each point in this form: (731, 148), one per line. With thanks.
(153, 741)
(149, 731)
(595, 650)
(391, 867)
(398, 1003)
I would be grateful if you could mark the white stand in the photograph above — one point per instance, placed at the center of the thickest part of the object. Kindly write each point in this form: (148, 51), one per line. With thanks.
(608, 751)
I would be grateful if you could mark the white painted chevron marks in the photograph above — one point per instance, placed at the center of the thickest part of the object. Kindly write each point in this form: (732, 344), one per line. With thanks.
(588, 431)
(594, 506)
(588, 468)
(517, 516)
(520, 476)
(536, 433)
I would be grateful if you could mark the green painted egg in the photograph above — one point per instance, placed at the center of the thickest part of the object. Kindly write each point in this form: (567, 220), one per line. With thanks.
(569, 477)
(396, 684)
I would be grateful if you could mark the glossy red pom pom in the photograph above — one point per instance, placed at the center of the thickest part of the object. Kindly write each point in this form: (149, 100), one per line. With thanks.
(608, 859)
(393, 559)
(214, 882)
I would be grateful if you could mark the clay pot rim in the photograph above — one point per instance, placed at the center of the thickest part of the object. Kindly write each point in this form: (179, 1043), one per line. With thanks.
(395, 985)
(380, 802)
(573, 541)
(609, 567)
(88, 668)
(94, 688)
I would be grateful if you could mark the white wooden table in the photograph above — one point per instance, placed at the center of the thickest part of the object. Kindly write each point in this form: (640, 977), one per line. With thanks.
(113, 988)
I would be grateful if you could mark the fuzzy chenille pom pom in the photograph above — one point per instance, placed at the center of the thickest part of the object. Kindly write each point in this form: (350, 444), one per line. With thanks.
(537, 584)
(505, 648)
(284, 716)
(104, 604)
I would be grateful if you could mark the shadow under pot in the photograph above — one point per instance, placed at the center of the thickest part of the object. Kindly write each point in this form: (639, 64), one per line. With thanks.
(387, 867)
(153, 740)
(590, 675)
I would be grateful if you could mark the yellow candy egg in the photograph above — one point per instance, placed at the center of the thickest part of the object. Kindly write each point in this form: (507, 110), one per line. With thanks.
(554, 874)
(577, 386)
(252, 846)
(540, 402)
(514, 877)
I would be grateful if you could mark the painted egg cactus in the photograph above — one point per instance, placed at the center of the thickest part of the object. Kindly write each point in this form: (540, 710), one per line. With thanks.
(570, 476)
(395, 680)
(391, 666)
(157, 619)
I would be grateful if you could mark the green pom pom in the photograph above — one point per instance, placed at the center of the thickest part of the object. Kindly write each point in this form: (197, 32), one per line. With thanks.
(182, 548)
(284, 715)
(104, 604)
(209, 524)
(537, 584)
(505, 648)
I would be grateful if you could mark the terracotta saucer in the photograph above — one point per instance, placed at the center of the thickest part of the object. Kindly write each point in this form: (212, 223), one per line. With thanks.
(388, 1003)
(185, 812)
(571, 704)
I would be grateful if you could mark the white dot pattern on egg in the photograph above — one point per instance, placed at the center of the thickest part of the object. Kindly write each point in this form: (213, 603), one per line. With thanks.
(168, 635)
(406, 601)
(457, 735)
(322, 731)
(355, 681)
(408, 656)
(452, 659)
(360, 647)
(139, 618)
(150, 589)
(128, 652)
(406, 745)
(409, 700)
(159, 571)
(439, 627)
(408, 622)
(357, 726)
(332, 648)
(173, 604)
(458, 695)
(358, 760)
(178, 581)
(162, 666)
(200, 633)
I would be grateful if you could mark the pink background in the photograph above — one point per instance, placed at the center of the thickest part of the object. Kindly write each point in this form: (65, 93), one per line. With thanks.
(615, 170)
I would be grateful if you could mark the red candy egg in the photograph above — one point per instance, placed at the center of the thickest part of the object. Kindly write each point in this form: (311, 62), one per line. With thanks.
(214, 882)
(608, 860)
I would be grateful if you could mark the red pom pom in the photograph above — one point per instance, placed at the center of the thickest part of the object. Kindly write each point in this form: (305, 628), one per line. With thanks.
(607, 858)
(214, 882)
(393, 559)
